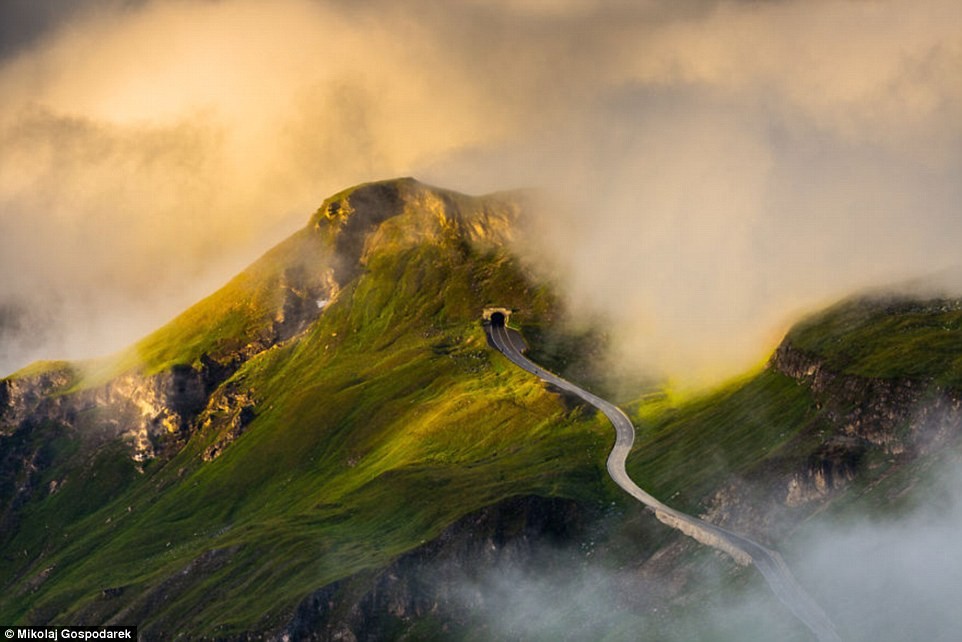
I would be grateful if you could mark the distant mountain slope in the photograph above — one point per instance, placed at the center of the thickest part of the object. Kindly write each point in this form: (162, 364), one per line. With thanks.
(854, 392)
(298, 452)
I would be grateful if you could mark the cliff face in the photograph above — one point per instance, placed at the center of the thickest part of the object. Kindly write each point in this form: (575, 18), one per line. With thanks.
(21, 397)
(898, 420)
(901, 416)
(48, 432)
(860, 428)
(23, 459)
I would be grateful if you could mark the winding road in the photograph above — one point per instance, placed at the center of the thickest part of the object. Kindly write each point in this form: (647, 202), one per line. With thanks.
(742, 549)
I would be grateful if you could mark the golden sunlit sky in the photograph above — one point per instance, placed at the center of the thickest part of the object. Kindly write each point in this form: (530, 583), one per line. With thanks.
(716, 168)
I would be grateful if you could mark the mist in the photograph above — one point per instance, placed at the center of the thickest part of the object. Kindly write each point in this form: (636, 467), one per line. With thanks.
(710, 170)
(888, 576)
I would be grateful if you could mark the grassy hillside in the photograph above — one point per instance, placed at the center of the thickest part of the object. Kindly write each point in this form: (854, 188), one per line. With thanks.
(360, 411)
(684, 452)
(867, 438)
(887, 356)
(888, 338)
(386, 420)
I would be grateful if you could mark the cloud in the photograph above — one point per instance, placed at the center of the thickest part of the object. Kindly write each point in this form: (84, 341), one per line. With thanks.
(716, 168)
(887, 577)
(729, 170)
(895, 575)
(148, 153)
(22, 22)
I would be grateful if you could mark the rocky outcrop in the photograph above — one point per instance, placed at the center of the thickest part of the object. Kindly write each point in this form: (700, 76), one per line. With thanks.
(305, 295)
(351, 217)
(390, 215)
(140, 609)
(152, 415)
(859, 420)
(227, 415)
(21, 396)
(860, 427)
(901, 417)
(830, 468)
(156, 414)
(145, 411)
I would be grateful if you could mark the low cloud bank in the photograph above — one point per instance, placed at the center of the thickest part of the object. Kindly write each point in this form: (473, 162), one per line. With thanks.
(716, 168)
(890, 578)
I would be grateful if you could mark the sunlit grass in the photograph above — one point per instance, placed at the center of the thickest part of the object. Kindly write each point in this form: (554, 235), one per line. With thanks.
(888, 338)
(385, 422)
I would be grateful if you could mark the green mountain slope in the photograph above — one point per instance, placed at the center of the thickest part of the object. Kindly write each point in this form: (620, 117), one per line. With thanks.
(855, 399)
(383, 421)
(888, 338)
(334, 411)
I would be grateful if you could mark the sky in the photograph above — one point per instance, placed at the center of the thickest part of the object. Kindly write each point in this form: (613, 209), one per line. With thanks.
(711, 170)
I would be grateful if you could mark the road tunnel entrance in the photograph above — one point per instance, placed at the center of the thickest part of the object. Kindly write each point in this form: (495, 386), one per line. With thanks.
(497, 317)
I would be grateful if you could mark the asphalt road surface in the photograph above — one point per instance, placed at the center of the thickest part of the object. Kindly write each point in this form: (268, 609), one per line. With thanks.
(742, 549)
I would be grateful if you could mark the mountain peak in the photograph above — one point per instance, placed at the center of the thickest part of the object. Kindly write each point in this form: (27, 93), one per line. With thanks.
(364, 204)
(393, 214)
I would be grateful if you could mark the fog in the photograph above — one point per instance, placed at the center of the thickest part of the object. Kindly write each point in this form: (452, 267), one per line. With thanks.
(711, 170)
(890, 577)
(894, 576)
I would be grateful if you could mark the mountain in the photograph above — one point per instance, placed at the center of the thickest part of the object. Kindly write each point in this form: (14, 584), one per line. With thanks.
(327, 447)
(331, 407)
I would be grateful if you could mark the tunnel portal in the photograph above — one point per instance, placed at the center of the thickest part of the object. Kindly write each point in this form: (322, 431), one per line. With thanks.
(497, 317)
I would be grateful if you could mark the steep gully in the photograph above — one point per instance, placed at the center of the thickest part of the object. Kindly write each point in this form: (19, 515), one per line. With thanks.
(743, 550)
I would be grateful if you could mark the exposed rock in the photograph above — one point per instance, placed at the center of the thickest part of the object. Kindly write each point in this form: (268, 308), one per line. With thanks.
(34, 583)
(20, 396)
(172, 587)
(353, 216)
(860, 420)
(302, 294)
(147, 412)
(900, 416)
(229, 412)
(895, 419)
(404, 213)
(829, 469)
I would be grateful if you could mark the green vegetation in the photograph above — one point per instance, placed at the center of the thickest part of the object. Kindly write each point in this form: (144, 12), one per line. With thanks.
(769, 422)
(240, 314)
(377, 424)
(682, 453)
(888, 338)
(385, 421)
(42, 368)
